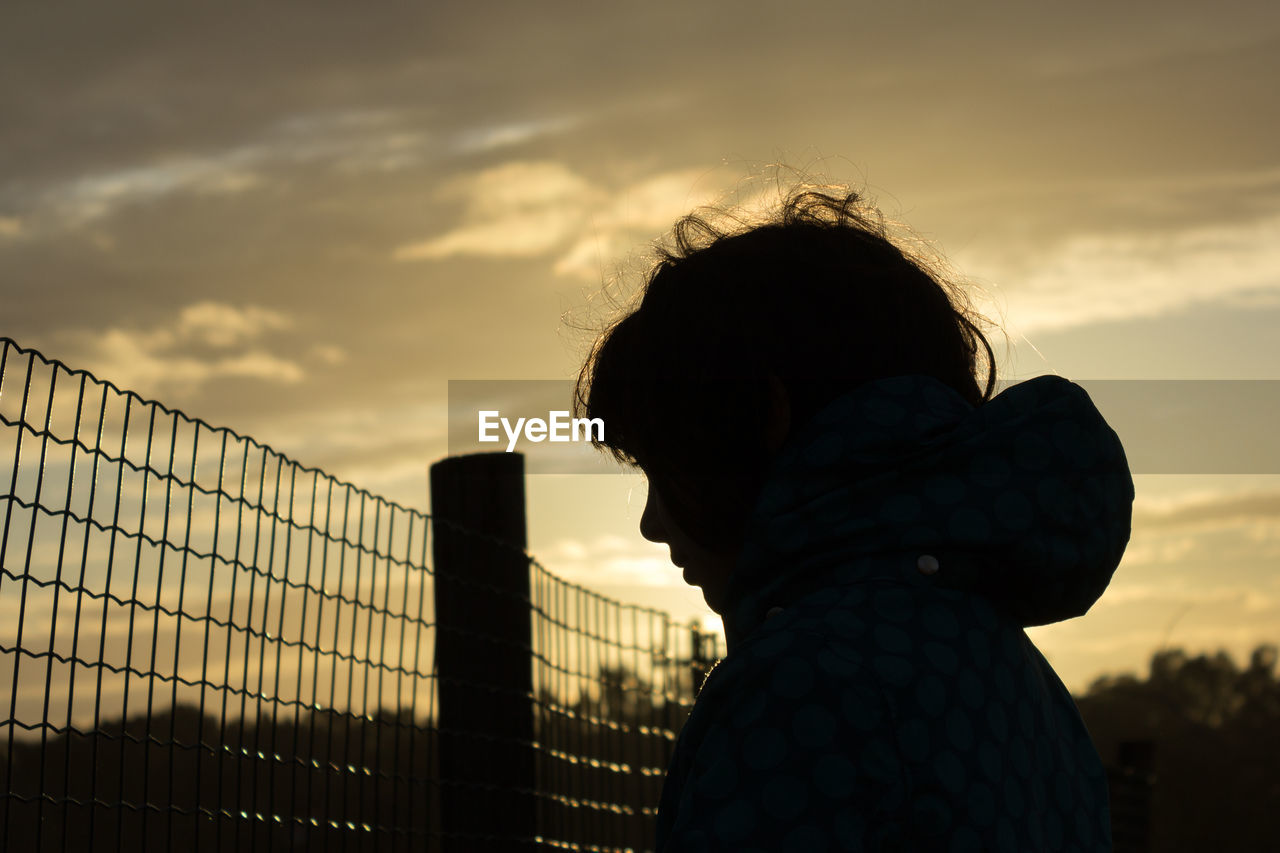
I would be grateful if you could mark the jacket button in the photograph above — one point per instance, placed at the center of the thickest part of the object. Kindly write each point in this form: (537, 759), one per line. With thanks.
(772, 612)
(927, 564)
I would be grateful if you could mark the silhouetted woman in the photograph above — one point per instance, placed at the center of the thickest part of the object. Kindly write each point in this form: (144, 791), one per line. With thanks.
(813, 409)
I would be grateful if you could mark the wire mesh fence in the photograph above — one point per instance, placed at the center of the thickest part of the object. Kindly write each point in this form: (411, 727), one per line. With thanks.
(606, 724)
(211, 647)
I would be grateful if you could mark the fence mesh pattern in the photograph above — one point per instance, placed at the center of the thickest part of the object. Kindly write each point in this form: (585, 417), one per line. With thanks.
(614, 684)
(211, 647)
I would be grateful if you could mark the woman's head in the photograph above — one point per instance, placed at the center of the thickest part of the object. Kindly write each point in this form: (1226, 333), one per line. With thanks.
(804, 306)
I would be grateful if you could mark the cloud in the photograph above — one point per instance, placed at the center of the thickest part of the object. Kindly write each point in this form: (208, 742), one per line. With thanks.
(635, 212)
(10, 226)
(352, 140)
(1143, 552)
(349, 141)
(137, 361)
(1205, 529)
(535, 209)
(518, 209)
(159, 359)
(1211, 512)
(519, 234)
(1178, 591)
(221, 325)
(383, 449)
(328, 354)
(656, 201)
(504, 134)
(85, 199)
(1095, 277)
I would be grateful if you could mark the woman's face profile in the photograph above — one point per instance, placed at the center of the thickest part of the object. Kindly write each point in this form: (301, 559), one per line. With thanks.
(703, 567)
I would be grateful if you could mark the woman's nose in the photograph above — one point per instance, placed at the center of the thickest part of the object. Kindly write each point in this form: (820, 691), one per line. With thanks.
(651, 521)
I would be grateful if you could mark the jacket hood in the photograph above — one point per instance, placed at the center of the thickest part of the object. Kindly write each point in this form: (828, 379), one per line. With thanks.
(1025, 499)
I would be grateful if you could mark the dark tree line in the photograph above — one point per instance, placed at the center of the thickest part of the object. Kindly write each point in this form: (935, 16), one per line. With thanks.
(1194, 749)
(1208, 733)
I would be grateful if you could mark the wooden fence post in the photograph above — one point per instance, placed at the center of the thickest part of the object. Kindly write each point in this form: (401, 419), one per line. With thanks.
(483, 653)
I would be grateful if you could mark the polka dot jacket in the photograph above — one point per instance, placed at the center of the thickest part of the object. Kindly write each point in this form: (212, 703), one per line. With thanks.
(879, 692)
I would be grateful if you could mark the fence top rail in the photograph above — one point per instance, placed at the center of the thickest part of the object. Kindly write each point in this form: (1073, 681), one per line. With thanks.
(8, 344)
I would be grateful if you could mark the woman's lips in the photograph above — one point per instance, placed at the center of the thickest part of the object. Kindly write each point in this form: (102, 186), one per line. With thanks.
(679, 563)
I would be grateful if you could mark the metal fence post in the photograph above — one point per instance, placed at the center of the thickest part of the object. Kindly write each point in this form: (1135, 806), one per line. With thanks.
(1130, 784)
(483, 653)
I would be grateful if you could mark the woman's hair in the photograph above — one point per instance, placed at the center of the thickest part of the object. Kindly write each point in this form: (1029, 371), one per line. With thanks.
(817, 295)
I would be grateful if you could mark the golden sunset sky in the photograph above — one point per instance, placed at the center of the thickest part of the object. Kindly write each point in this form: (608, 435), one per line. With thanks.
(300, 220)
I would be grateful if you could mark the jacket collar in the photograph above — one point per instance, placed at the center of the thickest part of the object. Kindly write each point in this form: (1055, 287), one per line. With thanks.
(1026, 499)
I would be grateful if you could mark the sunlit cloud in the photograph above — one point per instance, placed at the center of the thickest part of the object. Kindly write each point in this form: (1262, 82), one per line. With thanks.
(640, 211)
(517, 234)
(1211, 511)
(347, 140)
(504, 134)
(92, 197)
(543, 208)
(366, 437)
(1179, 591)
(1158, 552)
(657, 201)
(520, 209)
(142, 361)
(158, 359)
(1104, 277)
(221, 325)
(328, 354)
(1201, 529)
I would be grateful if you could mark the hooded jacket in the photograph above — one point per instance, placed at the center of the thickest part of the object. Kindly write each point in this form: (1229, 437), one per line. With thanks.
(878, 690)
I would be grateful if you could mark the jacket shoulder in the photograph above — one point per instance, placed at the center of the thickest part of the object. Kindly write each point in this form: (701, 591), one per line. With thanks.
(947, 718)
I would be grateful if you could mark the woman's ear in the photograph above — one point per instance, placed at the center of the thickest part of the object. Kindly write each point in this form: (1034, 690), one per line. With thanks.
(778, 420)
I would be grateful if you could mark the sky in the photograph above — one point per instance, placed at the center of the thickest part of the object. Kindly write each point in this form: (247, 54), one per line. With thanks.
(301, 221)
